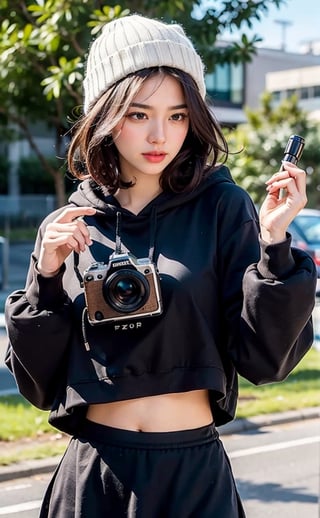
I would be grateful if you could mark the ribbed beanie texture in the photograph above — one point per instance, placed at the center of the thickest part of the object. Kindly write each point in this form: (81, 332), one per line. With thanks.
(132, 43)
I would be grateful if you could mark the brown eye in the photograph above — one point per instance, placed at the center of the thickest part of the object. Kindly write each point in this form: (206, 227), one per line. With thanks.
(179, 117)
(137, 116)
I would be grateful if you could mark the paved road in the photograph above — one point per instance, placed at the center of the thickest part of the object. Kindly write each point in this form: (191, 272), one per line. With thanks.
(19, 257)
(276, 470)
(7, 382)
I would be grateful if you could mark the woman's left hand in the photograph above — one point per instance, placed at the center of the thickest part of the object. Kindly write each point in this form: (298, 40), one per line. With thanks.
(286, 197)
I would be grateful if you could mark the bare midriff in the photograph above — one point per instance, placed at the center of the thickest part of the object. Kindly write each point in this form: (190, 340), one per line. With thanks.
(163, 413)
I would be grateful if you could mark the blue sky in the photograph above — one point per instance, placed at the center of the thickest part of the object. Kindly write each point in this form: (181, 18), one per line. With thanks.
(303, 25)
(304, 19)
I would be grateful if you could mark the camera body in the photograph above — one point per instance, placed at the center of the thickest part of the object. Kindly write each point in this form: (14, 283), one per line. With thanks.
(123, 288)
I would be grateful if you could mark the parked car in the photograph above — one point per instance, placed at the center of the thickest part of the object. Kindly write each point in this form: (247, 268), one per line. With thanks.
(305, 231)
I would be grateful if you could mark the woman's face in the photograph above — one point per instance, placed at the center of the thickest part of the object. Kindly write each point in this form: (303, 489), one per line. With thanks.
(152, 132)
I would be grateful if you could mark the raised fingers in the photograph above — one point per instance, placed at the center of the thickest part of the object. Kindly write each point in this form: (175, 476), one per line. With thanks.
(296, 187)
(291, 177)
(299, 175)
(72, 213)
(74, 234)
(70, 229)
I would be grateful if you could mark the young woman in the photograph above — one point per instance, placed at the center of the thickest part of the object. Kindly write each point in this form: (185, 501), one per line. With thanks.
(153, 288)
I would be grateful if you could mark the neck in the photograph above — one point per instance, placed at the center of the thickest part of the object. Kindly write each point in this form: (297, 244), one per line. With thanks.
(139, 195)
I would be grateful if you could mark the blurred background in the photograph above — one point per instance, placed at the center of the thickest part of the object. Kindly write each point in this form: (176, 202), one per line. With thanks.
(262, 63)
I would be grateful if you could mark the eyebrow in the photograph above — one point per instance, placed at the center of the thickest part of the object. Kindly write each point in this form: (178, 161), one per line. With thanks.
(148, 107)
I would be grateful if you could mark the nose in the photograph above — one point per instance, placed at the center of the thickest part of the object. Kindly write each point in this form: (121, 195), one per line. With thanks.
(157, 133)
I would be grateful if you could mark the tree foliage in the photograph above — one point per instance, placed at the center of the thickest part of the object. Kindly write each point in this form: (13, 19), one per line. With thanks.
(206, 21)
(43, 48)
(259, 144)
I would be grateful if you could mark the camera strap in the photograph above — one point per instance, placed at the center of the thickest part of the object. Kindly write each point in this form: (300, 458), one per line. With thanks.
(118, 249)
(153, 226)
(118, 242)
(76, 268)
(84, 319)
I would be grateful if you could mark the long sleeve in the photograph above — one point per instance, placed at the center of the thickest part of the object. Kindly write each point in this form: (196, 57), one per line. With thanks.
(39, 324)
(279, 296)
(275, 329)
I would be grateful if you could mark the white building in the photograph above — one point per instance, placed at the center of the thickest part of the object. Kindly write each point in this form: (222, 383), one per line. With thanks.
(303, 82)
(232, 87)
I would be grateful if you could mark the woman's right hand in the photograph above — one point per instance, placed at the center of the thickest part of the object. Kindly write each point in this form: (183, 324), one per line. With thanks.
(67, 233)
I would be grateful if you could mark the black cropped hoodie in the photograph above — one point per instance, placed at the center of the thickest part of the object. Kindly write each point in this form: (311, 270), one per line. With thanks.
(231, 304)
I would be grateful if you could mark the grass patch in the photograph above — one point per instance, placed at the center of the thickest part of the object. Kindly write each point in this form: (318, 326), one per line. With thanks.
(300, 390)
(25, 451)
(25, 433)
(21, 419)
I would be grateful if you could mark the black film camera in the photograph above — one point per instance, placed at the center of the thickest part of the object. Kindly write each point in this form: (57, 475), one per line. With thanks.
(124, 288)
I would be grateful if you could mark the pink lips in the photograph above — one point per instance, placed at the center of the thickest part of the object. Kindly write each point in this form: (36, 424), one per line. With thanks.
(154, 157)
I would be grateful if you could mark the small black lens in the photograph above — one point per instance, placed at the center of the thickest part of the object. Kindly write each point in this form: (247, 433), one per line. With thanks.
(126, 290)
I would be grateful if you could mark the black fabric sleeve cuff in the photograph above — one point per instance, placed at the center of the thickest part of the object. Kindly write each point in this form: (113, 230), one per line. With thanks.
(47, 292)
(276, 260)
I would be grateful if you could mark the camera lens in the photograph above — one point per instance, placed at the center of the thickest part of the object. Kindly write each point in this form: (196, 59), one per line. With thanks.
(126, 290)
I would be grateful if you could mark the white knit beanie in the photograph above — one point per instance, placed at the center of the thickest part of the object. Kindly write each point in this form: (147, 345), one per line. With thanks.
(133, 42)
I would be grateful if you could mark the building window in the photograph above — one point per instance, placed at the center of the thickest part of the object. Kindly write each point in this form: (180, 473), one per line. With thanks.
(304, 92)
(291, 92)
(316, 91)
(276, 96)
(225, 84)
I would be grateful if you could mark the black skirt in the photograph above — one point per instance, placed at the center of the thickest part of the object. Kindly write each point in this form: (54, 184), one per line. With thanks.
(107, 472)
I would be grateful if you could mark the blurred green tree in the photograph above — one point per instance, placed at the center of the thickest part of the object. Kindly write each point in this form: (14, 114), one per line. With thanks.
(43, 46)
(258, 146)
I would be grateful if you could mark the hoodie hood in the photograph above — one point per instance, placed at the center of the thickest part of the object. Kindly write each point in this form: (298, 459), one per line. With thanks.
(90, 194)
(127, 226)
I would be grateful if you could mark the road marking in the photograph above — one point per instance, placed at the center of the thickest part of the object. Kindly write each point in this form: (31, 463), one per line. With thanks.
(36, 504)
(19, 508)
(273, 447)
(17, 487)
